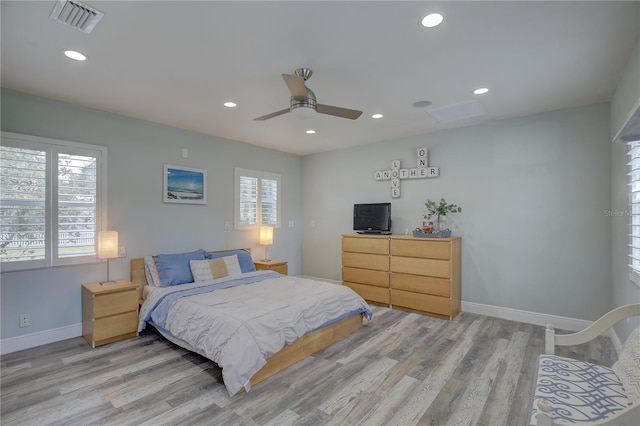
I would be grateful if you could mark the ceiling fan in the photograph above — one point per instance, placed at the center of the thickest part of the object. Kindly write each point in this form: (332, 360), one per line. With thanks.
(303, 100)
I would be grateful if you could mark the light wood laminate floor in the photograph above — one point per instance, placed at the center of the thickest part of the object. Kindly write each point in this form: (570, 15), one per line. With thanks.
(399, 369)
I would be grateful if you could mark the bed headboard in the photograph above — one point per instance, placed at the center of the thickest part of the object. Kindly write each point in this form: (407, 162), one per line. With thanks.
(139, 277)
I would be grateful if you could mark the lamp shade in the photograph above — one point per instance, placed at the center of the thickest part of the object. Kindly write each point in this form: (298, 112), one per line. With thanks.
(266, 236)
(108, 244)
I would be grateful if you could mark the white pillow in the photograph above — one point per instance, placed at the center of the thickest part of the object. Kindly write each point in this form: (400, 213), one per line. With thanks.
(151, 271)
(209, 269)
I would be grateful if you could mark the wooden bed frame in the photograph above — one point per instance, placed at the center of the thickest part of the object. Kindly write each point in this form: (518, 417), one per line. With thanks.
(303, 347)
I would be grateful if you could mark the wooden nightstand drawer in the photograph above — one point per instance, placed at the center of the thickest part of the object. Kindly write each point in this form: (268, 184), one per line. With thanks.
(115, 303)
(117, 325)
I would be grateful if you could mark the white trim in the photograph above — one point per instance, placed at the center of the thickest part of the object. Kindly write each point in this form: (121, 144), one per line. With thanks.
(18, 343)
(39, 338)
(536, 318)
(321, 279)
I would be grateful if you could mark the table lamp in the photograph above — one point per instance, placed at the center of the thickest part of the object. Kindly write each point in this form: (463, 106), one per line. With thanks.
(266, 239)
(108, 249)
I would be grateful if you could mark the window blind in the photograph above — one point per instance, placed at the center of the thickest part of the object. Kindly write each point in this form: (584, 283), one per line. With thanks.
(257, 199)
(52, 201)
(634, 207)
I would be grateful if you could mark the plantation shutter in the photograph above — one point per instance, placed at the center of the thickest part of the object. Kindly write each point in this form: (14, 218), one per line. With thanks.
(52, 201)
(77, 207)
(269, 202)
(248, 200)
(257, 199)
(634, 206)
(23, 191)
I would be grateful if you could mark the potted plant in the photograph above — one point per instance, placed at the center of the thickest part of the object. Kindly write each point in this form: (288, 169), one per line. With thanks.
(440, 210)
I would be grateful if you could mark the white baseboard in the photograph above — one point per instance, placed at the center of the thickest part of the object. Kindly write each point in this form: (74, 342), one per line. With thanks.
(536, 318)
(14, 344)
(27, 341)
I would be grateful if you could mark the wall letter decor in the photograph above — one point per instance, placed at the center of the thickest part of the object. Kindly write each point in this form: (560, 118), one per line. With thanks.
(396, 173)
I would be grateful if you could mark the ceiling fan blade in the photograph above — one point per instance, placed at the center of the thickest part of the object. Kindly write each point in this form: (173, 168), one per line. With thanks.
(296, 86)
(338, 112)
(273, 114)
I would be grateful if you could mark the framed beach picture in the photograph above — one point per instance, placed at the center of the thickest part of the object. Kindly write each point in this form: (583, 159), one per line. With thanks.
(184, 185)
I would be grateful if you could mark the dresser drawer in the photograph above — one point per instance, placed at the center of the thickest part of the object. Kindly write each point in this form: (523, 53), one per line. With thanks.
(377, 262)
(115, 303)
(372, 245)
(429, 249)
(370, 293)
(421, 284)
(366, 276)
(418, 266)
(421, 302)
(105, 328)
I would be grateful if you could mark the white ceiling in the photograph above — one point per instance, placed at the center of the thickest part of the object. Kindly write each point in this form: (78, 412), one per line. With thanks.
(176, 62)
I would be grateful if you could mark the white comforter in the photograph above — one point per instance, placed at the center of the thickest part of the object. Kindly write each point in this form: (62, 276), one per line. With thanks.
(240, 327)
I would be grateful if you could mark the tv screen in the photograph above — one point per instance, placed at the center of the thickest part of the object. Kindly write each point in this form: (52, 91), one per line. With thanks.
(372, 218)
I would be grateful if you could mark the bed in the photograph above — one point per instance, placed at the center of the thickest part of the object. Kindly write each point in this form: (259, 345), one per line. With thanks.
(252, 323)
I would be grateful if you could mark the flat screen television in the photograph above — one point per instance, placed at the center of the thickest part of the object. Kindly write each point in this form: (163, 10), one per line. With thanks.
(372, 218)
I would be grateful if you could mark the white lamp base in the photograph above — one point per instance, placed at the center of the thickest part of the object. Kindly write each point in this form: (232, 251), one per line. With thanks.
(107, 283)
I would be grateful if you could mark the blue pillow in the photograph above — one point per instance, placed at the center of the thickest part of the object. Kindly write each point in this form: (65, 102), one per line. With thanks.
(174, 269)
(244, 258)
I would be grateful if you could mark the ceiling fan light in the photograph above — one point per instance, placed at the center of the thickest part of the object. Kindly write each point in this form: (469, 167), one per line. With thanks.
(303, 112)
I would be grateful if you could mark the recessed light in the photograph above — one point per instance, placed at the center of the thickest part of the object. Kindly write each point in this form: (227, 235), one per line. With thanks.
(230, 104)
(311, 132)
(76, 56)
(377, 116)
(480, 91)
(432, 20)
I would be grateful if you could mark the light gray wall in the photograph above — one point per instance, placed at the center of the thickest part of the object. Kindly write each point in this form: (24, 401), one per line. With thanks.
(533, 192)
(137, 151)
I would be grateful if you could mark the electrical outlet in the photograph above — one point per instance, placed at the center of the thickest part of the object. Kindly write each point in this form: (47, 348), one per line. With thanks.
(122, 252)
(227, 225)
(291, 224)
(25, 320)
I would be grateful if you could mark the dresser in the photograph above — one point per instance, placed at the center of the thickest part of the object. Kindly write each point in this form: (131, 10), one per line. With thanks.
(365, 266)
(109, 312)
(416, 274)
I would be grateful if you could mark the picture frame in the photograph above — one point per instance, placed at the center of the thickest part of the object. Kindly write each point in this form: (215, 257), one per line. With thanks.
(184, 185)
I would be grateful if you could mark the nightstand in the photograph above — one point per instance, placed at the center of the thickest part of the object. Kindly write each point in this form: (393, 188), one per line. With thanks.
(109, 312)
(272, 265)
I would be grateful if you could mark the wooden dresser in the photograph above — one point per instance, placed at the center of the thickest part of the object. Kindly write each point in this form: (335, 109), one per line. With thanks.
(365, 266)
(415, 274)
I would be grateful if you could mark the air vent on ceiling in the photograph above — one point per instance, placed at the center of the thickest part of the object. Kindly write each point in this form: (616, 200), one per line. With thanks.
(76, 15)
(457, 112)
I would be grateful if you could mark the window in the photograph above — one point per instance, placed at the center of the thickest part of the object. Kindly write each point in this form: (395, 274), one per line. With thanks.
(51, 201)
(634, 210)
(257, 199)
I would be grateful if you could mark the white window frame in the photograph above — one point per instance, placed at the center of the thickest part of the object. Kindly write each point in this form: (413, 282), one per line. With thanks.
(240, 172)
(53, 147)
(634, 211)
